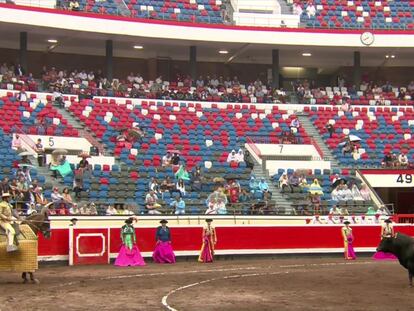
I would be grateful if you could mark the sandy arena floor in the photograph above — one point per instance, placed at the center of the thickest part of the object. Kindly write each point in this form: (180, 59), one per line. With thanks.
(307, 283)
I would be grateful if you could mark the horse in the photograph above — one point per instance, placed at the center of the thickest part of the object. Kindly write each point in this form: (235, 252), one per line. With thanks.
(25, 258)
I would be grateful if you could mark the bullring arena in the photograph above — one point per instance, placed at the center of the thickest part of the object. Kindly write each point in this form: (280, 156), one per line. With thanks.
(299, 283)
(263, 148)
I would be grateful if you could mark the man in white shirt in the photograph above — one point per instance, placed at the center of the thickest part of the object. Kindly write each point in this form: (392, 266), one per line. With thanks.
(311, 10)
(403, 160)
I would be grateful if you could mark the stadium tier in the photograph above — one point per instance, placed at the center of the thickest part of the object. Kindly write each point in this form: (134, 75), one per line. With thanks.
(379, 130)
(196, 11)
(362, 14)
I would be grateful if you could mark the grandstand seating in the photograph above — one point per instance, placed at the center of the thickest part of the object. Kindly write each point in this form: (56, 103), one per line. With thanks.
(18, 116)
(299, 199)
(361, 14)
(199, 11)
(381, 129)
(201, 134)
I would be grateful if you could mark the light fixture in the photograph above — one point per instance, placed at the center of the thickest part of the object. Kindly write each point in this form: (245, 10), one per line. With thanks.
(52, 41)
(392, 56)
(307, 54)
(138, 47)
(387, 56)
(224, 52)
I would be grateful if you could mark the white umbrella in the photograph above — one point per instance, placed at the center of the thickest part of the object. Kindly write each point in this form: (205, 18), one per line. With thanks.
(25, 153)
(354, 138)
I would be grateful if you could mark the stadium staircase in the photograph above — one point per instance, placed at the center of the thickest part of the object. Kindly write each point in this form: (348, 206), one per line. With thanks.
(283, 205)
(312, 131)
(84, 131)
(284, 7)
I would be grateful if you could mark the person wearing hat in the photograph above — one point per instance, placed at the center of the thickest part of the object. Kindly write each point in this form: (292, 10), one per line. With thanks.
(6, 220)
(348, 241)
(163, 252)
(208, 243)
(129, 254)
(387, 231)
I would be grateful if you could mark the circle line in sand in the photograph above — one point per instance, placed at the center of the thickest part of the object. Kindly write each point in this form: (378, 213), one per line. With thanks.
(164, 299)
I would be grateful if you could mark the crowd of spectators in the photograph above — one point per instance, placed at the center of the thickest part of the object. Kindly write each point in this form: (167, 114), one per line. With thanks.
(395, 161)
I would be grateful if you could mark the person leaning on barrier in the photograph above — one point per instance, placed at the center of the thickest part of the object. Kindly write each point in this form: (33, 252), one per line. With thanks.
(6, 221)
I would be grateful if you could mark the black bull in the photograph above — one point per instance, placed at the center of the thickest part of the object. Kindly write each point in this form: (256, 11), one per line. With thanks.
(402, 246)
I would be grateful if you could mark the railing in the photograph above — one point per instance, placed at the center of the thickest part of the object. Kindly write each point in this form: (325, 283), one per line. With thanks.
(93, 141)
(374, 196)
(28, 142)
(317, 147)
(253, 146)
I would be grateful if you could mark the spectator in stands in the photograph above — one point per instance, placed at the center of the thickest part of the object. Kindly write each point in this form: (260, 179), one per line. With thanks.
(166, 159)
(19, 71)
(92, 209)
(62, 210)
(294, 124)
(66, 197)
(232, 157)
(84, 210)
(248, 160)
(17, 143)
(180, 186)
(365, 193)
(22, 96)
(40, 152)
(178, 205)
(244, 196)
(263, 186)
(84, 164)
(31, 209)
(253, 184)
(310, 10)
(303, 183)
(294, 182)
(23, 189)
(78, 186)
(175, 159)
(167, 185)
(297, 8)
(217, 206)
(343, 211)
(73, 5)
(151, 203)
(356, 194)
(74, 210)
(39, 197)
(233, 190)
(402, 160)
(111, 210)
(387, 160)
(284, 183)
(334, 211)
(387, 87)
(240, 156)
(330, 128)
(182, 173)
(5, 186)
(196, 180)
(56, 197)
(154, 185)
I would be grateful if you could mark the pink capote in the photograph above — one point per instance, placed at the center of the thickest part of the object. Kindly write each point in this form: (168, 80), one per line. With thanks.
(129, 257)
(206, 254)
(384, 256)
(163, 253)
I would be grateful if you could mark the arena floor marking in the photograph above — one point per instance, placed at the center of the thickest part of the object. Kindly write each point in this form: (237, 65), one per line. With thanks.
(157, 274)
(168, 307)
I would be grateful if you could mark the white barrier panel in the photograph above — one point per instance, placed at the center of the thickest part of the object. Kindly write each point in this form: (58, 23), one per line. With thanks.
(73, 159)
(60, 142)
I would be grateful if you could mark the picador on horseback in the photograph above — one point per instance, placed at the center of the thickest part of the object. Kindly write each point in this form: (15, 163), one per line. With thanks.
(7, 220)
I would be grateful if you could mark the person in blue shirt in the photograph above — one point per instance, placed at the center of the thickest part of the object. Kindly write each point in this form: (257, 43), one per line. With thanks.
(179, 205)
(163, 252)
(263, 186)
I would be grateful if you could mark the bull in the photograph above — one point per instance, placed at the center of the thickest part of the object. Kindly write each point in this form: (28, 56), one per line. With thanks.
(402, 246)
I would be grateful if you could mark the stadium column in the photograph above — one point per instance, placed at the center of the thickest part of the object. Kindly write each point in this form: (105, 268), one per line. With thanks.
(23, 51)
(357, 68)
(193, 63)
(109, 53)
(275, 69)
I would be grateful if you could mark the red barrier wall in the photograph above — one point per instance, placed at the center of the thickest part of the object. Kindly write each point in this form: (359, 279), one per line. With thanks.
(254, 238)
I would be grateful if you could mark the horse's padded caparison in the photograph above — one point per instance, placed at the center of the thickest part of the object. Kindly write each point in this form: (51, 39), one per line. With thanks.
(25, 258)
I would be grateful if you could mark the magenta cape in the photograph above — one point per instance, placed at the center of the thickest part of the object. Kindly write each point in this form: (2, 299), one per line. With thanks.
(163, 253)
(129, 257)
(383, 256)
